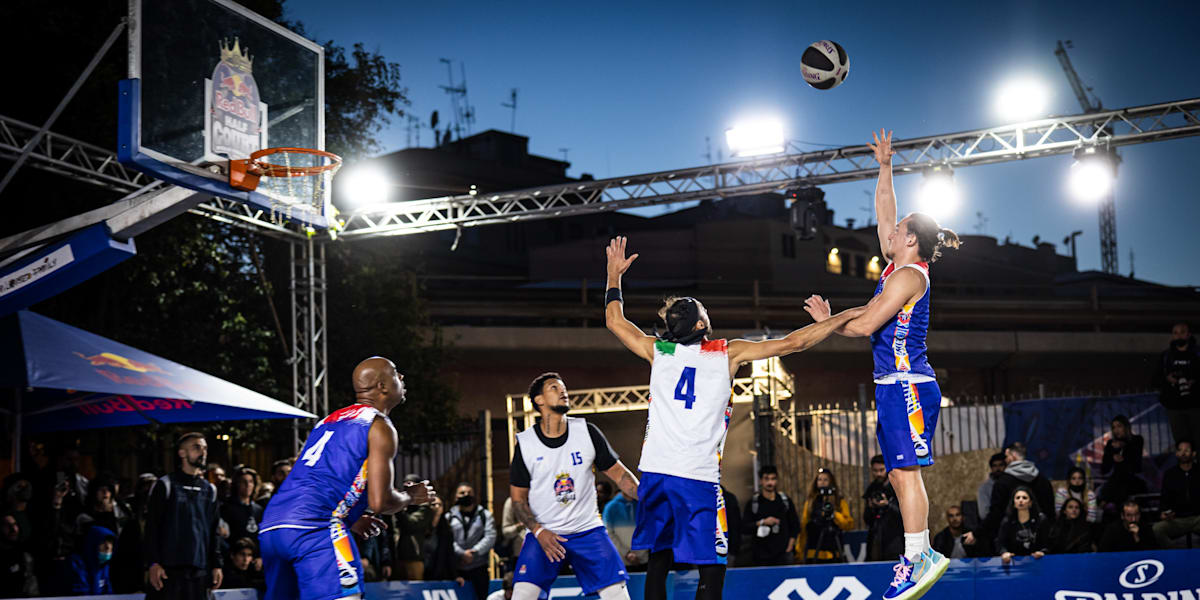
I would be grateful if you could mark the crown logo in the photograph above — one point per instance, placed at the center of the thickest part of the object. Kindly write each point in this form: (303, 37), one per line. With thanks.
(235, 56)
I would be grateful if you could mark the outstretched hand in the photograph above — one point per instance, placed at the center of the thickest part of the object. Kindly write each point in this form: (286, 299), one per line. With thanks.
(882, 147)
(617, 263)
(818, 307)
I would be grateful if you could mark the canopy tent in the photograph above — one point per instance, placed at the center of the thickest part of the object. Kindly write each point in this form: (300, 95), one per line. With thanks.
(68, 379)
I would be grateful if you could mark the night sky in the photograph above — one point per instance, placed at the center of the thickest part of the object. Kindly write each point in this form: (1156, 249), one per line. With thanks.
(637, 87)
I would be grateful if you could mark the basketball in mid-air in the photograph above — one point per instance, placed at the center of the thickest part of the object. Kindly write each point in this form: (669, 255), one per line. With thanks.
(825, 65)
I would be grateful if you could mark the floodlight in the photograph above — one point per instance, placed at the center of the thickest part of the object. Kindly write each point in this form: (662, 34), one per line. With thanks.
(1092, 173)
(939, 193)
(364, 187)
(755, 138)
(1022, 99)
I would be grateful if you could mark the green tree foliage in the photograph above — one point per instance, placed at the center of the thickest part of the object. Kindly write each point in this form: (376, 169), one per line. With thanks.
(195, 292)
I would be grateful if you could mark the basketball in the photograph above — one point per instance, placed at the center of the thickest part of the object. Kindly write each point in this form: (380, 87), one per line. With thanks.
(825, 65)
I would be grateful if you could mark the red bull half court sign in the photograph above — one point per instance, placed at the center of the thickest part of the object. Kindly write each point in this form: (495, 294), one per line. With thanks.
(236, 119)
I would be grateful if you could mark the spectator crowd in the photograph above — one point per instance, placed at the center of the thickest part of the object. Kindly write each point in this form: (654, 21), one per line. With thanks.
(194, 529)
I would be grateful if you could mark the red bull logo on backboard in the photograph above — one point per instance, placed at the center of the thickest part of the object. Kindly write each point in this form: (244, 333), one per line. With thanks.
(235, 119)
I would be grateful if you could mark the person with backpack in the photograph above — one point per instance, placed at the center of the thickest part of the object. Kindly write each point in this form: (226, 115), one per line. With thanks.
(771, 521)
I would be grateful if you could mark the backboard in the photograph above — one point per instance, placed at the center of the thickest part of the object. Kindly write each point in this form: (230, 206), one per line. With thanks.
(210, 81)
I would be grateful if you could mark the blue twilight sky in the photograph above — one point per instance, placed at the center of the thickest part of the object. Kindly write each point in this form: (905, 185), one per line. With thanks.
(637, 87)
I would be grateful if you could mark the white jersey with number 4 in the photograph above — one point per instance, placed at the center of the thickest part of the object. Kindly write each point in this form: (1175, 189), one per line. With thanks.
(690, 405)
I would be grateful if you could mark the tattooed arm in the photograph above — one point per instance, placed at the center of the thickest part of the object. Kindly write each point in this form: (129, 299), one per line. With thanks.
(551, 542)
(625, 479)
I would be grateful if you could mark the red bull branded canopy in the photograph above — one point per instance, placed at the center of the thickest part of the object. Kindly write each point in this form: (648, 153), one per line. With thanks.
(80, 380)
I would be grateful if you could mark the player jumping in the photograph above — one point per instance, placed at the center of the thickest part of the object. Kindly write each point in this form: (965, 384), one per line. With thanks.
(907, 398)
(681, 512)
(305, 534)
(554, 495)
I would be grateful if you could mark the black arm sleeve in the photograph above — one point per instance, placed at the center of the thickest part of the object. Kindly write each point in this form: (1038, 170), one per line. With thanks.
(518, 475)
(606, 457)
(156, 506)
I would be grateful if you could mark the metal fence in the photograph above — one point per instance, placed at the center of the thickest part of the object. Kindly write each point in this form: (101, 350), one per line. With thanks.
(448, 458)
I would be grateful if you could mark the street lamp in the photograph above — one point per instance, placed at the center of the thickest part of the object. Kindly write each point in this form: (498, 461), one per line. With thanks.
(756, 138)
(1092, 173)
(939, 194)
(1021, 99)
(364, 186)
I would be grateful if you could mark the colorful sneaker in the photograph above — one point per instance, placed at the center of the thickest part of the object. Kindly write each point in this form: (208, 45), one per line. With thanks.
(913, 579)
(903, 582)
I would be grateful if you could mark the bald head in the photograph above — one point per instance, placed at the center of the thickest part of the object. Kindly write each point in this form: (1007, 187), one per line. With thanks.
(376, 382)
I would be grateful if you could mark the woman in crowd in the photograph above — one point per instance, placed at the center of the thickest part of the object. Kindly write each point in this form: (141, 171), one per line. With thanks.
(825, 516)
(102, 508)
(1077, 487)
(1025, 530)
(1071, 533)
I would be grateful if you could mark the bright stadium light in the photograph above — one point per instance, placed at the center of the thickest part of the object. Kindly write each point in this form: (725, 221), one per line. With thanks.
(1022, 99)
(756, 138)
(1092, 174)
(364, 187)
(939, 193)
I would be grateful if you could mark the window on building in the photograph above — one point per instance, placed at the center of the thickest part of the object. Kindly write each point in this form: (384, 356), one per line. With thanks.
(860, 266)
(788, 244)
(833, 262)
(874, 268)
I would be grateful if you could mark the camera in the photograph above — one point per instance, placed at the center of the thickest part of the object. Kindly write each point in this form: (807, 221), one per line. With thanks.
(826, 497)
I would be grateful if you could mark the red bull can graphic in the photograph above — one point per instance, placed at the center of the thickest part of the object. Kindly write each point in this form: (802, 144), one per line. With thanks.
(916, 418)
(342, 550)
(899, 340)
(722, 540)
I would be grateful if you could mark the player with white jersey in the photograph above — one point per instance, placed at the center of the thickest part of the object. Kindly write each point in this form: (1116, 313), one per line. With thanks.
(907, 397)
(553, 494)
(681, 513)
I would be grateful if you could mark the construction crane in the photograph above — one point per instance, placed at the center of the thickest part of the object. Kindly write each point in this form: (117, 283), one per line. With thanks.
(1108, 205)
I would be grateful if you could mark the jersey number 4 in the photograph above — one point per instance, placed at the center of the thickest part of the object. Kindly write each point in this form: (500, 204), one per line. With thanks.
(686, 388)
(313, 454)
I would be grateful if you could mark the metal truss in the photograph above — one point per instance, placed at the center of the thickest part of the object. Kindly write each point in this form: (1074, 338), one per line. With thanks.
(768, 378)
(70, 157)
(1046, 137)
(310, 369)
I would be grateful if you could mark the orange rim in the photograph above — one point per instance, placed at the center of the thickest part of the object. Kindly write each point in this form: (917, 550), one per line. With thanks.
(268, 169)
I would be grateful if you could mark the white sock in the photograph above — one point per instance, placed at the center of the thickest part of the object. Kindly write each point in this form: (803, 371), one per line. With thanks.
(925, 545)
(914, 545)
(523, 590)
(615, 591)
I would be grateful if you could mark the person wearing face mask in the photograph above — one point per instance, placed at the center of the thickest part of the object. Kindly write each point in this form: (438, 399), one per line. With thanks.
(1024, 531)
(1176, 379)
(88, 568)
(1071, 533)
(1078, 489)
(474, 531)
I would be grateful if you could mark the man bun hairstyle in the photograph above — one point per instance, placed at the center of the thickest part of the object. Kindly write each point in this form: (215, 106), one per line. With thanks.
(930, 237)
(680, 315)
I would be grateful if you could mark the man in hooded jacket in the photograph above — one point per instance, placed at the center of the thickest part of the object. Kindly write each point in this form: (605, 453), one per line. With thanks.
(89, 566)
(1018, 472)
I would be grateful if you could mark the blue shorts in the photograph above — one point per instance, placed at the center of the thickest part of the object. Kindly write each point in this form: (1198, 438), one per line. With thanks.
(684, 515)
(907, 415)
(307, 564)
(591, 554)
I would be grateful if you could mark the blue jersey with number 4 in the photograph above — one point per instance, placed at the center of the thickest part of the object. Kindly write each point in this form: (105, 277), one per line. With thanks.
(328, 480)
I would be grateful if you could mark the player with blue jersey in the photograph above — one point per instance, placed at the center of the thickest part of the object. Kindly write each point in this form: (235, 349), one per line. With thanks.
(907, 398)
(681, 512)
(553, 494)
(305, 532)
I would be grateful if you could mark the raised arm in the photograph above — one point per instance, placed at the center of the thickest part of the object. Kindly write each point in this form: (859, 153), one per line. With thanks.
(885, 194)
(742, 351)
(614, 309)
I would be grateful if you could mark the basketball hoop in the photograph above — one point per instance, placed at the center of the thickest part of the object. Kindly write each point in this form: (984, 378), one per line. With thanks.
(298, 178)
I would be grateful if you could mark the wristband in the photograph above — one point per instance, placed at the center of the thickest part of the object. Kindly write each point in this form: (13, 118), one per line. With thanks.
(539, 530)
(613, 294)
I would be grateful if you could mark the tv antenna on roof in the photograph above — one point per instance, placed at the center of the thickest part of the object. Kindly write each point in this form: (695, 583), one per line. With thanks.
(464, 113)
(512, 104)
